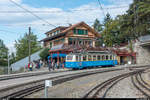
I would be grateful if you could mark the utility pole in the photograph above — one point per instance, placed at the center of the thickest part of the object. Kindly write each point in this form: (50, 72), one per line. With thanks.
(8, 64)
(135, 20)
(29, 39)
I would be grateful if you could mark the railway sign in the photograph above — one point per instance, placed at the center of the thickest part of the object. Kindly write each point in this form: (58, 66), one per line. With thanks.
(48, 83)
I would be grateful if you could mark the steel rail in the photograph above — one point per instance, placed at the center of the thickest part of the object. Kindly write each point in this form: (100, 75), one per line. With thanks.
(93, 93)
(56, 80)
(140, 85)
(28, 75)
(42, 73)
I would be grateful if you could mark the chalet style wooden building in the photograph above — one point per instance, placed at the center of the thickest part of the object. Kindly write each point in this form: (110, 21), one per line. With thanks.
(78, 37)
(79, 33)
(63, 40)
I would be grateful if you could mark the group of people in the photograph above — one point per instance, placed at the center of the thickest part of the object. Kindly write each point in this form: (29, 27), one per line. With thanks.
(52, 65)
(35, 64)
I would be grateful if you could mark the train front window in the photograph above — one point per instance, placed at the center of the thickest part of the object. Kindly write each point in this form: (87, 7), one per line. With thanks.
(69, 57)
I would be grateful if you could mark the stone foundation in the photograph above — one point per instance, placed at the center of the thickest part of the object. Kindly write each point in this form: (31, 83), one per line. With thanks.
(143, 54)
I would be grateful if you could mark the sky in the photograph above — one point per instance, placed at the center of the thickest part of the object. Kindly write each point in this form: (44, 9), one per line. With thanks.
(14, 21)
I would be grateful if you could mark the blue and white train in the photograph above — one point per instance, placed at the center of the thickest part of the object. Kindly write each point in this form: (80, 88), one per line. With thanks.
(90, 59)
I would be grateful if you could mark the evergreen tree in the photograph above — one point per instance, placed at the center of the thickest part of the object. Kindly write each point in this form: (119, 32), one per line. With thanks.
(22, 46)
(107, 19)
(3, 53)
(97, 26)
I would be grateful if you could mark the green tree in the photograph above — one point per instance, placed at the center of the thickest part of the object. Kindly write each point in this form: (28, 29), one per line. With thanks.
(137, 19)
(3, 53)
(107, 19)
(44, 53)
(22, 46)
(97, 26)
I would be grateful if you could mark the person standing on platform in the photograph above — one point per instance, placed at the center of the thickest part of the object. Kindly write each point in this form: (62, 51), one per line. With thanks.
(30, 66)
(52, 64)
(49, 65)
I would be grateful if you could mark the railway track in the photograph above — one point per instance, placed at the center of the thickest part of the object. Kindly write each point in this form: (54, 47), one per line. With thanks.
(14, 76)
(101, 90)
(7, 77)
(29, 88)
(141, 84)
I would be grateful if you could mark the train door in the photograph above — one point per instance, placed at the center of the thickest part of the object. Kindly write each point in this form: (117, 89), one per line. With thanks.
(80, 61)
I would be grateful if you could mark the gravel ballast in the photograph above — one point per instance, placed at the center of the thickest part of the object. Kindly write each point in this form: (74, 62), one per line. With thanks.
(78, 87)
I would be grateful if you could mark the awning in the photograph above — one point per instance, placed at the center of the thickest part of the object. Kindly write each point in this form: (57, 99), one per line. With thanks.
(57, 47)
(55, 55)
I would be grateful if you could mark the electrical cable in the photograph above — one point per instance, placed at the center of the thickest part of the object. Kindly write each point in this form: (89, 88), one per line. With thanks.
(59, 11)
(32, 13)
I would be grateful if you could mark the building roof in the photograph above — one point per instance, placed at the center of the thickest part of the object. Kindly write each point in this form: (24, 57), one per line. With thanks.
(64, 32)
(79, 48)
(59, 27)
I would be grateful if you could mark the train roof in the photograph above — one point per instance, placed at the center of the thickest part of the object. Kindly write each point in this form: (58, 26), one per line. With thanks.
(92, 52)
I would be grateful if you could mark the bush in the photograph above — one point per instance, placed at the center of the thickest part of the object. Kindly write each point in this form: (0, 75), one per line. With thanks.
(3, 62)
(44, 53)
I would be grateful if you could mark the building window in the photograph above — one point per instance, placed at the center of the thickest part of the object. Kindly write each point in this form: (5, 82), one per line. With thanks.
(50, 44)
(70, 41)
(80, 31)
(86, 32)
(74, 31)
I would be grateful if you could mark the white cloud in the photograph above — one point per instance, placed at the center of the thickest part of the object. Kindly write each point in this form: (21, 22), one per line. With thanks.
(11, 47)
(61, 18)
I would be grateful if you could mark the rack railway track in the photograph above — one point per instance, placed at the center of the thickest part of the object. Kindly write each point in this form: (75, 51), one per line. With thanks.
(27, 89)
(101, 90)
(141, 84)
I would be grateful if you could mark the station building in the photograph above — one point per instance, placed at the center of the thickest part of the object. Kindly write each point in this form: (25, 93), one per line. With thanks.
(63, 40)
(79, 37)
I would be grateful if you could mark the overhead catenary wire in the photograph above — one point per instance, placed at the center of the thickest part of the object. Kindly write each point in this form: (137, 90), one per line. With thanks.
(50, 11)
(32, 13)
(101, 7)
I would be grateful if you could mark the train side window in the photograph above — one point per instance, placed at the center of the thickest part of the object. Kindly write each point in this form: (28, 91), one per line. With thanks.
(84, 58)
(110, 57)
(94, 57)
(106, 57)
(89, 58)
(98, 57)
(77, 58)
(70, 57)
(103, 57)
